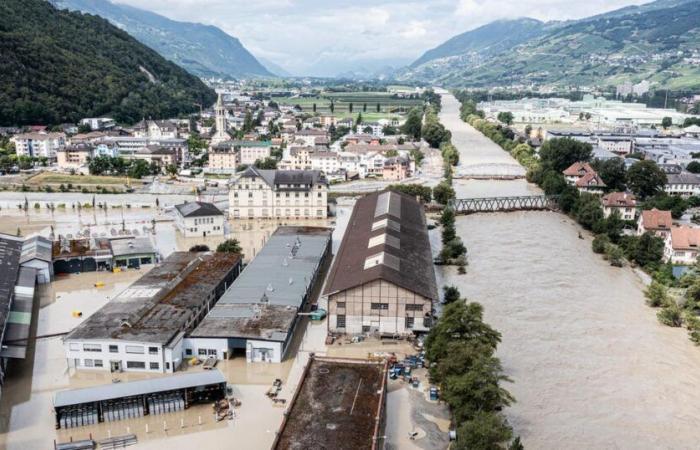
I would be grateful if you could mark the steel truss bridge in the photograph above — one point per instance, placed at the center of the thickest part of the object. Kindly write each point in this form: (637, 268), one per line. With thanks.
(505, 204)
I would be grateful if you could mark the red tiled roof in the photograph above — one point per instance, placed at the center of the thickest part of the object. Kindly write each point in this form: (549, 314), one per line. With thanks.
(685, 238)
(578, 169)
(590, 179)
(619, 199)
(657, 220)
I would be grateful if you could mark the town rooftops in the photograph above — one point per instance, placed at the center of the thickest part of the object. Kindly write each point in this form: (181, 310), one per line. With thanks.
(339, 404)
(685, 238)
(198, 209)
(78, 147)
(159, 305)
(228, 145)
(264, 300)
(131, 246)
(619, 200)
(39, 136)
(387, 239)
(655, 219)
(311, 132)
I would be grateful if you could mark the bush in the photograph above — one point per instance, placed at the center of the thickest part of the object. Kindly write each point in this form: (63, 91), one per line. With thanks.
(485, 431)
(443, 193)
(671, 316)
(599, 243)
(614, 255)
(656, 294)
(450, 294)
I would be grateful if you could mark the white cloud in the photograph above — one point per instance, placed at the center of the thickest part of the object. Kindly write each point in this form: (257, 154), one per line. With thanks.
(324, 37)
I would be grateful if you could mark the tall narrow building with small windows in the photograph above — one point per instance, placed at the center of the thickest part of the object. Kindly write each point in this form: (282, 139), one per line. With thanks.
(279, 194)
(221, 135)
(382, 280)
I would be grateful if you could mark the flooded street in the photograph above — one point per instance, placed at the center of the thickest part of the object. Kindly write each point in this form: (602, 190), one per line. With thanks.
(592, 367)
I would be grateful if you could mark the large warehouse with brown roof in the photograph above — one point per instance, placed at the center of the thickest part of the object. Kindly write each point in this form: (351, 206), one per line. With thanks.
(382, 280)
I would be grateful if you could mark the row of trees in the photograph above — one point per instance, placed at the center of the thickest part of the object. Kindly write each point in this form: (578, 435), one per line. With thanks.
(460, 349)
(118, 166)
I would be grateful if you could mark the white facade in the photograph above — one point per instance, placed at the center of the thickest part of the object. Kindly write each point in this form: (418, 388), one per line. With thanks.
(200, 226)
(254, 197)
(38, 144)
(98, 123)
(255, 350)
(253, 151)
(118, 356)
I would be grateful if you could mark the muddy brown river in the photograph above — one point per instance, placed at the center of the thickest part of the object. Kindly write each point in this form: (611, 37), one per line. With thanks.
(592, 367)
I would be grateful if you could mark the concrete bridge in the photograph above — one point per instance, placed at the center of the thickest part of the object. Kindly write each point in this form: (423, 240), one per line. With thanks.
(505, 204)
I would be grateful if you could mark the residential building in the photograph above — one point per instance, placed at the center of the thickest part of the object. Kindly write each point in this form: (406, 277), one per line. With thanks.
(195, 219)
(142, 329)
(308, 136)
(382, 280)
(685, 184)
(99, 123)
(624, 203)
(156, 129)
(223, 158)
(681, 245)
(251, 151)
(74, 156)
(396, 168)
(656, 222)
(259, 314)
(584, 178)
(258, 193)
(127, 146)
(156, 155)
(38, 145)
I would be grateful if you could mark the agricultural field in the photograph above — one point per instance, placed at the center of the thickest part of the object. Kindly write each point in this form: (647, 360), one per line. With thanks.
(372, 105)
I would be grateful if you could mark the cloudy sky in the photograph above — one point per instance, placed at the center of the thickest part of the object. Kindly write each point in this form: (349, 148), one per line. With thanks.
(327, 37)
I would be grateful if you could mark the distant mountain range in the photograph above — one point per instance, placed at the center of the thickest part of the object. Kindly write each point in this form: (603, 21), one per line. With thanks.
(203, 50)
(60, 66)
(658, 41)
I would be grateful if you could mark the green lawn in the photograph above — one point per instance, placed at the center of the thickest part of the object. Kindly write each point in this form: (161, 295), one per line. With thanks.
(389, 107)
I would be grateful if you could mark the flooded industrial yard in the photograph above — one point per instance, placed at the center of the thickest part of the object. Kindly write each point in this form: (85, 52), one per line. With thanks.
(592, 367)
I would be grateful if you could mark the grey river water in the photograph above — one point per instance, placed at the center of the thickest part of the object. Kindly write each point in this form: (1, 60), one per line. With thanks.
(592, 367)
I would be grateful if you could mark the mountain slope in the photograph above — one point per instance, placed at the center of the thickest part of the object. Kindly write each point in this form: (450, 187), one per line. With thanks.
(488, 39)
(58, 66)
(201, 49)
(657, 42)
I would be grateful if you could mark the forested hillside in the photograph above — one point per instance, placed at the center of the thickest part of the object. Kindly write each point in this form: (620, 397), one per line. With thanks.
(59, 66)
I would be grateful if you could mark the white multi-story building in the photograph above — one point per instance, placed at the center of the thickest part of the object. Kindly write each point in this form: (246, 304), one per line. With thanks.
(156, 129)
(623, 203)
(38, 144)
(195, 219)
(98, 123)
(257, 193)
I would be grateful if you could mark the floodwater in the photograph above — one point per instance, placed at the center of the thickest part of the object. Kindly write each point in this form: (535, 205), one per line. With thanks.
(592, 367)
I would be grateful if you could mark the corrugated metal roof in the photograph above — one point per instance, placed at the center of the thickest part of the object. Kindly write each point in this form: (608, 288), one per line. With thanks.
(10, 252)
(141, 387)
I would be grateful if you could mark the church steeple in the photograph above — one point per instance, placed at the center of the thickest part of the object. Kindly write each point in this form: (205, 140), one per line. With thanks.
(221, 135)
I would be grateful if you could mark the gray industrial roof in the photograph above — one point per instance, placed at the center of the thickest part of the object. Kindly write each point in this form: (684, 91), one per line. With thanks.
(264, 299)
(132, 388)
(157, 306)
(36, 247)
(131, 246)
(198, 209)
(20, 316)
(10, 252)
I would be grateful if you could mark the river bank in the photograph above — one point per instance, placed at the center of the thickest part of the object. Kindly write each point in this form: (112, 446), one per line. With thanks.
(592, 367)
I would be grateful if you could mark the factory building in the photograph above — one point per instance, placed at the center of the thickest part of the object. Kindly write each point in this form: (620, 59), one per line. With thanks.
(382, 280)
(142, 329)
(258, 316)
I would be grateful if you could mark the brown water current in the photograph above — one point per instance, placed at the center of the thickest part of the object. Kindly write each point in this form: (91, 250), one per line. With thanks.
(592, 367)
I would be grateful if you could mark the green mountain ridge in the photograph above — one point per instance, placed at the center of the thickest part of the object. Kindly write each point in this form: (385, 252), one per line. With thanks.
(658, 42)
(59, 66)
(203, 50)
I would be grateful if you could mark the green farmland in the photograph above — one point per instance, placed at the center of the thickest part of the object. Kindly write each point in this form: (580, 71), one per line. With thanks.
(360, 102)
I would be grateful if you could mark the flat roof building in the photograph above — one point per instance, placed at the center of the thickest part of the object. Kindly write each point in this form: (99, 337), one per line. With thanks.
(259, 313)
(382, 280)
(142, 328)
(339, 404)
(130, 400)
(195, 219)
